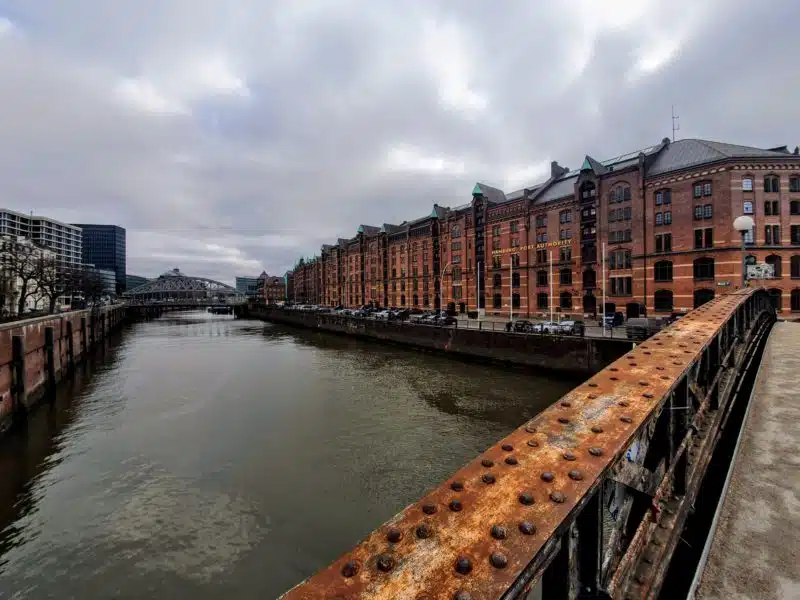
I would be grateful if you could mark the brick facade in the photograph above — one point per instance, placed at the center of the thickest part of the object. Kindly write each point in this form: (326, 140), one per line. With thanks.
(664, 217)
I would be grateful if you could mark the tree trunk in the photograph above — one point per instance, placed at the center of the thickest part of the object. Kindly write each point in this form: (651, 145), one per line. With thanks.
(23, 295)
(52, 307)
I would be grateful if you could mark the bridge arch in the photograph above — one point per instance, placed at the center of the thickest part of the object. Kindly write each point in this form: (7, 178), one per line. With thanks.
(174, 285)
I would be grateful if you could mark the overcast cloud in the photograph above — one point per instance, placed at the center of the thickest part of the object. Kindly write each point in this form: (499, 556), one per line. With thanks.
(232, 136)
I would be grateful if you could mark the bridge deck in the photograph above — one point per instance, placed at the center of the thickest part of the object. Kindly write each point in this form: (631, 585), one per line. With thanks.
(755, 553)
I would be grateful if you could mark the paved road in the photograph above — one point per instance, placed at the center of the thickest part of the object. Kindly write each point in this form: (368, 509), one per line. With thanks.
(755, 554)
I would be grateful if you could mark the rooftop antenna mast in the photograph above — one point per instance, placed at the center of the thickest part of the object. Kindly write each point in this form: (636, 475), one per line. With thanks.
(675, 125)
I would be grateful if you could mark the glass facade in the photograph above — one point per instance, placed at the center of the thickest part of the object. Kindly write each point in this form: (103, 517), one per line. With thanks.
(104, 247)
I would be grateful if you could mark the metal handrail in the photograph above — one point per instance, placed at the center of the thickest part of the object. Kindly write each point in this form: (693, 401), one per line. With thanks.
(537, 506)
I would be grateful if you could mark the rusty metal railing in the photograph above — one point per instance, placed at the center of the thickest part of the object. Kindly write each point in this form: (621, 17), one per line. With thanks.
(586, 500)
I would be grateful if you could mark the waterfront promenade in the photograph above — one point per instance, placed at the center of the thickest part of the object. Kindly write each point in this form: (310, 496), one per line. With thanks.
(755, 552)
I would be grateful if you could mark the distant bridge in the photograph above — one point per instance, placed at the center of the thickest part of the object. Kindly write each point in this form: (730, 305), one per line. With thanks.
(173, 288)
(588, 499)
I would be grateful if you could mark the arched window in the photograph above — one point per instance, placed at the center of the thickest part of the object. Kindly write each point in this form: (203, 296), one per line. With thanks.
(663, 196)
(775, 261)
(515, 300)
(702, 296)
(700, 189)
(747, 183)
(776, 297)
(794, 184)
(703, 268)
(795, 300)
(619, 193)
(794, 263)
(416, 300)
(455, 231)
(662, 270)
(496, 279)
(589, 279)
(542, 301)
(515, 279)
(772, 183)
(565, 300)
(497, 300)
(662, 301)
(565, 276)
(541, 277)
(403, 300)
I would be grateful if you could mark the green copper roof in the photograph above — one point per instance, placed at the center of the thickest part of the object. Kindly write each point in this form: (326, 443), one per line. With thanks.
(477, 189)
(586, 166)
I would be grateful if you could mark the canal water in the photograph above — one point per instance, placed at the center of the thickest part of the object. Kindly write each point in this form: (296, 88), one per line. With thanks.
(204, 457)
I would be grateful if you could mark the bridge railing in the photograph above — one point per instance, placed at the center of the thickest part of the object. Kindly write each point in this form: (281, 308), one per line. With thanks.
(586, 500)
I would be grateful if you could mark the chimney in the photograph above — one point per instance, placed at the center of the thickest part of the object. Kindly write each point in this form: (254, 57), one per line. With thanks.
(797, 150)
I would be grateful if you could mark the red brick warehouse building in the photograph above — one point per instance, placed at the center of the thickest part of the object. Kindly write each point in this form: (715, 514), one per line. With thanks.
(664, 213)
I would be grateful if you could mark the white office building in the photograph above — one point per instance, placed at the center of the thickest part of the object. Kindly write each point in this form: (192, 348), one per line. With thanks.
(63, 239)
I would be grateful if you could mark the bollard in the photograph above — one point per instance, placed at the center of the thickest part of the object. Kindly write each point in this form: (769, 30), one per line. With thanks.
(18, 407)
(50, 362)
(83, 338)
(70, 348)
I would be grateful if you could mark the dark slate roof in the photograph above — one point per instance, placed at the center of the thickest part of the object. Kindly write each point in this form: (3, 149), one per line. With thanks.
(439, 211)
(368, 229)
(561, 188)
(684, 154)
(327, 247)
(492, 194)
(517, 194)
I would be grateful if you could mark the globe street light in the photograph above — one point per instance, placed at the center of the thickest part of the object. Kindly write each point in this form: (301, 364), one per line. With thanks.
(743, 224)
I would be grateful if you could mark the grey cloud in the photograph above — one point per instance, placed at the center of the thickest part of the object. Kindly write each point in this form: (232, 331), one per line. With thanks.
(252, 178)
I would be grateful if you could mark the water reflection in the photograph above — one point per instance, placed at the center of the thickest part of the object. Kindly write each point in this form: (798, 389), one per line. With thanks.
(204, 456)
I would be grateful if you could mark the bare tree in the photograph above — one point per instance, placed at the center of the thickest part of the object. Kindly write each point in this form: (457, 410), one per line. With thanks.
(22, 264)
(52, 280)
(91, 286)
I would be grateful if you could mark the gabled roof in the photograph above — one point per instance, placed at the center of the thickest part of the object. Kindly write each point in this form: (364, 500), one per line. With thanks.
(594, 165)
(687, 153)
(368, 229)
(492, 194)
(389, 228)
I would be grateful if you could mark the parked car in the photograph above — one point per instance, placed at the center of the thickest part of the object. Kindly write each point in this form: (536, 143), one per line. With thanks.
(613, 320)
(523, 326)
(382, 315)
(571, 328)
(642, 328)
(546, 327)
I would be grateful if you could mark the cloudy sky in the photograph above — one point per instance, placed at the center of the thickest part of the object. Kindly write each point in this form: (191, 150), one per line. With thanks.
(234, 136)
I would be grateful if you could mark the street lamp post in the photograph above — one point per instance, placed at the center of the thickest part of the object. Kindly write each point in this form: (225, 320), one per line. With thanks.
(743, 224)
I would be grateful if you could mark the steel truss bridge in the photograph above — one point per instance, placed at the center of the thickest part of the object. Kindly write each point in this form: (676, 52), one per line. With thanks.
(586, 500)
(173, 289)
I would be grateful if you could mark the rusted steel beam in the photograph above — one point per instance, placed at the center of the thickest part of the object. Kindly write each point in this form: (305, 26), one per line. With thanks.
(491, 528)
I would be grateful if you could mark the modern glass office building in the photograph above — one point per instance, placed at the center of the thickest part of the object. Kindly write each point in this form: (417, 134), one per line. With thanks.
(104, 247)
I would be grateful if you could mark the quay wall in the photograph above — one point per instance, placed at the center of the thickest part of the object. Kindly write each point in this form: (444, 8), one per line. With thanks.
(36, 353)
(579, 356)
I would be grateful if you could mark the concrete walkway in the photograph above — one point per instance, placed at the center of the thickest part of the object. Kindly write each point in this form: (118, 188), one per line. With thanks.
(755, 553)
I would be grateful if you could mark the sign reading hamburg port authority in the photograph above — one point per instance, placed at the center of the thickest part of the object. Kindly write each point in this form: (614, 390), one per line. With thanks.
(542, 246)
